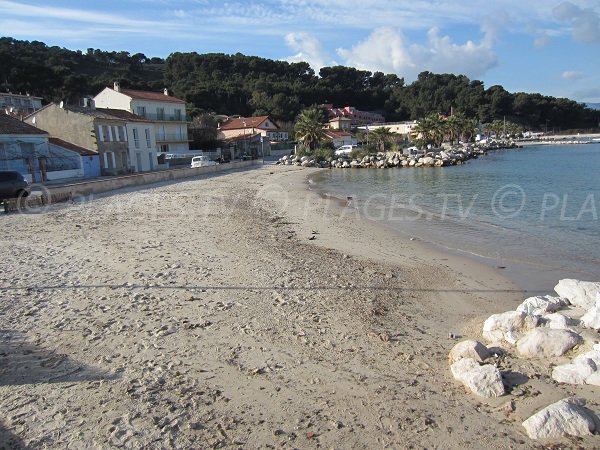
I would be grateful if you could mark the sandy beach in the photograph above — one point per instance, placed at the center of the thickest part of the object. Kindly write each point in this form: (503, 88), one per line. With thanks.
(244, 311)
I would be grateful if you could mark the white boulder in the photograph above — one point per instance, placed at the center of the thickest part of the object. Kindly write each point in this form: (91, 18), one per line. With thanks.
(579, 293)
(574, 373)
(591, 319)
(540, 305)
(469, 349)
(508, 326)
(593, 379)
(485, 381)
(557, 321)
(547, 342)
(561, 419)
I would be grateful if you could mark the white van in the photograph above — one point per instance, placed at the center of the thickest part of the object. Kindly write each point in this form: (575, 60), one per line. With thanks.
(345, 149)
(202, 161)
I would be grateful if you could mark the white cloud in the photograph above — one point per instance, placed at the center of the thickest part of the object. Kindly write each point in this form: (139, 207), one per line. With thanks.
(308, 49)
(584, 22)
(572, 75)
(386, 50)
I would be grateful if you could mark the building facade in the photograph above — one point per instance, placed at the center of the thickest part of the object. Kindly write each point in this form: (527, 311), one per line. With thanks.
(89, 128)
(167, 114)
(19, 105)
(250, 126)
(356, 116)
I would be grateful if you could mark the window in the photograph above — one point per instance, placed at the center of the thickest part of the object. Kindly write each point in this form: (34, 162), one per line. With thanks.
(105, 133)
(178, 115)
(136, 138)
(141, 111)
(148, 140)
(113, 134)
(160, 113)
(164, 148)
(122, 134)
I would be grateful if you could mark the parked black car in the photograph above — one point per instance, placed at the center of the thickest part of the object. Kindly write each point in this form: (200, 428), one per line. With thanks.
(13, 185)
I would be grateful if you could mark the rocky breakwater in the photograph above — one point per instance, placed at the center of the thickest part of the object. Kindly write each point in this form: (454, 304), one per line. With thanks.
(447, 157)
(548, 341)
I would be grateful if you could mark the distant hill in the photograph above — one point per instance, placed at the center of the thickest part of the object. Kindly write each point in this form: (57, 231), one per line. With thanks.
(250, 85)
(593, 105)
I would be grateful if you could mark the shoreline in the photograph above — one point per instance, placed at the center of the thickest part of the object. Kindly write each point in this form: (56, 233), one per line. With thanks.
(241, 311)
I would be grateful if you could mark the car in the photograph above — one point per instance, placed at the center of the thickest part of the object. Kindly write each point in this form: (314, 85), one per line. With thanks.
(13, 185)
(202, 161)
(345, 149)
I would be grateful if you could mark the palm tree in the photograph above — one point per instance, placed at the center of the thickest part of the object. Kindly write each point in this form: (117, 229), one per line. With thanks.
(309, 128)
(430, 130)
(380, 137)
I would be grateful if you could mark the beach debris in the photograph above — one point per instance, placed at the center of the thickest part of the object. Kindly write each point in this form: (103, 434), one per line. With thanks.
(591, 319)
(542, 304)
(469, 349)
(547, 342)
(508, 327)
(483, 380)
(579, 293)
(564, 418)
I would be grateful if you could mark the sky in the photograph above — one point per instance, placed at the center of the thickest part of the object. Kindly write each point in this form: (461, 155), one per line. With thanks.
(546, 46)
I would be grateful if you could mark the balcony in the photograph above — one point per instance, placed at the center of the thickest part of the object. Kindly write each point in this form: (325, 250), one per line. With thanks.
(171, 137)
(165, 117)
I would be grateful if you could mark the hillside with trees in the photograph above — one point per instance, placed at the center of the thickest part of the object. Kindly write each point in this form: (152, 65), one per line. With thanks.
(250, 85)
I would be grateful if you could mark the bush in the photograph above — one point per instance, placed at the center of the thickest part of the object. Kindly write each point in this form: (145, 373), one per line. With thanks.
(324, 154)
(360, 152)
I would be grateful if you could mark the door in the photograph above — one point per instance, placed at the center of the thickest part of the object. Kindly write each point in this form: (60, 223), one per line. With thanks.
(151, 159)
(138, 162)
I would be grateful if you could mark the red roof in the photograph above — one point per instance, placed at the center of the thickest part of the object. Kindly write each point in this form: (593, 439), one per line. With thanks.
(242, 123)
(153, 96)
(69, 146)
(336, 133)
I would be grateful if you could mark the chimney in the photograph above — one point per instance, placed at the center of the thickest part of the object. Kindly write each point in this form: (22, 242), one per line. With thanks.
(117, 86)
(166, 91)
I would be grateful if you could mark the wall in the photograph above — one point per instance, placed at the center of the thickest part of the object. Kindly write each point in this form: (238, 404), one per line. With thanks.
(109, 98)
(91, 166)
(60, 174)
(98, 186)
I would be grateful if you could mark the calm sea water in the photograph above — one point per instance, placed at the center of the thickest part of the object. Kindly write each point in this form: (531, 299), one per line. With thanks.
(533, 212)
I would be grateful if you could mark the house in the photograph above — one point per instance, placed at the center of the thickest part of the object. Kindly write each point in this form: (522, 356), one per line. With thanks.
(340, 123)
(166, 113)
(31, 152)
(19, 105)
(261, 125)
(340, 138)
(403, 128)
(90, 128)
(356, 116)
(89, 159)
(141, 139)
(22, 148)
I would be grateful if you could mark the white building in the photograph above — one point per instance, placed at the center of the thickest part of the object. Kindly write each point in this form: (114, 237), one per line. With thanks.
(19, 104)
(166, 113)
(141, 140)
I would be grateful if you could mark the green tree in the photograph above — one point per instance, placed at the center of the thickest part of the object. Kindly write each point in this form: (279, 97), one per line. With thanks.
(381, 136)
(309, 127)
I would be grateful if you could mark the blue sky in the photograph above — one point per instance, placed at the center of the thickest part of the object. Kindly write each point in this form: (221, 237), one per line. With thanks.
(546, 46)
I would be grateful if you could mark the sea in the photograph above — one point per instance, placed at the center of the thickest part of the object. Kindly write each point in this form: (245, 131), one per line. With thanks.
(533, 213)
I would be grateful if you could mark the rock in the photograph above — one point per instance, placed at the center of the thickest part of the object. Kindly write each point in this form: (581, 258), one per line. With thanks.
(579, 293)
(593, 379)
(557, 321)
(561, 419)
(574, 373)
(508, 327)
(427, 161)
(469, 349)
(542, 304)
(485, 381)
(591, 319)
(546, 342)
